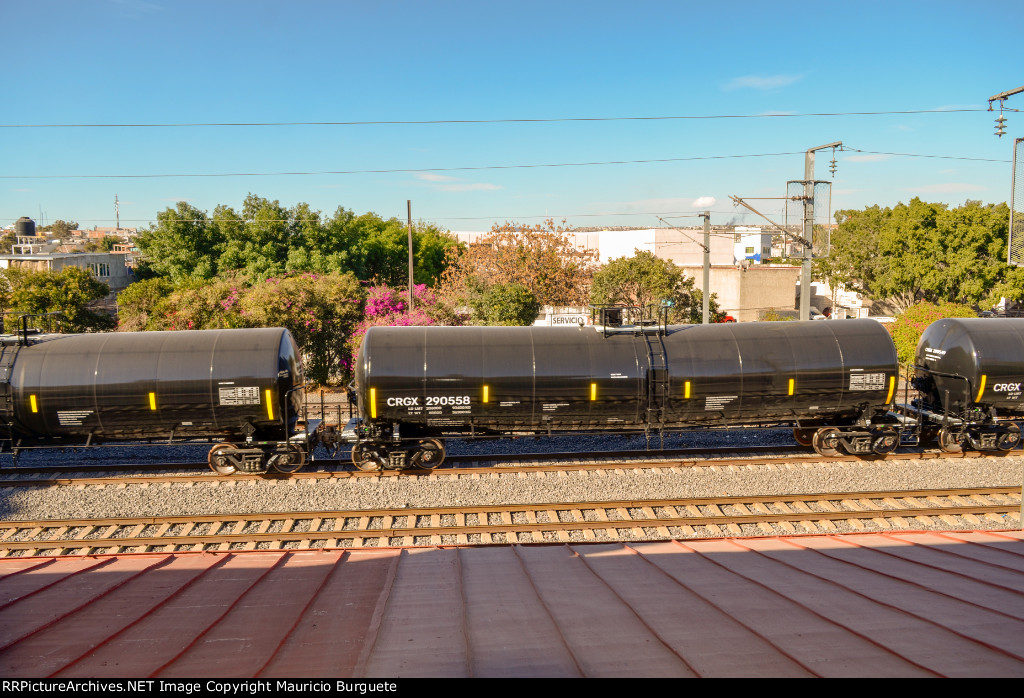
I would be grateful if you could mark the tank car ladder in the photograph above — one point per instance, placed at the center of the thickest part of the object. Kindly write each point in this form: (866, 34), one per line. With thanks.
(657, 384)
(8, 353)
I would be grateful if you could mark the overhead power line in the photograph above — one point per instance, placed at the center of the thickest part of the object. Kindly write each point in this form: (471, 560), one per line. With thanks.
(494, 121)
(468, 168)
(919, 155)
(392, 171)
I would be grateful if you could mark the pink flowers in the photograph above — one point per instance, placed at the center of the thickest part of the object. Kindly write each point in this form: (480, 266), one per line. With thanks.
(387, 307)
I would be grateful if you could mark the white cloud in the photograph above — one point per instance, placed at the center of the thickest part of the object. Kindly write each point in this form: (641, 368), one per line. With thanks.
(431, 177)
(446, 183)
(704, 202)
(762, 82)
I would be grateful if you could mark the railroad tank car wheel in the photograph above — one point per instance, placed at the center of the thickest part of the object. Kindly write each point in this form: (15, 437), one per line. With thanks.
(826, 441)
(804, 437)
(220, 463)
(884, 441)
(429, 454)
(291, 461)
(1009, 439)
(949, 441)
(367, 457)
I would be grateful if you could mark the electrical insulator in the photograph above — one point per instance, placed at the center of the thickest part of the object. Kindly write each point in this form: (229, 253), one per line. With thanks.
(832, 168)
(1000, 125)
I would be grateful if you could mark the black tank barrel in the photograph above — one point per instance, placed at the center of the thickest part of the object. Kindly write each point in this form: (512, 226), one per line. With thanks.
(456, 378)
(126, 385)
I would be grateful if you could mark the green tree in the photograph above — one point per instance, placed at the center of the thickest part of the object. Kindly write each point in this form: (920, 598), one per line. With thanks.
(184, 244)
(378, 250)
(920, 251)
(648, 281)
(911, 323)
(321, 312)
(7, 242)
(267, 240)
(60, 228)
(104, 244)
(505, 304)
(138, 306)
(68, 292)
(261, 248)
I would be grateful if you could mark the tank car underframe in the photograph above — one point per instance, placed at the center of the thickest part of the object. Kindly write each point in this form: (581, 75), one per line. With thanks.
(399, 446)
(956, 421)
(978, 427)
(872, 433)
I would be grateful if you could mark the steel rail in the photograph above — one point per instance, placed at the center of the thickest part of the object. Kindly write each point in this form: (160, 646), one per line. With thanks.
(855, 506)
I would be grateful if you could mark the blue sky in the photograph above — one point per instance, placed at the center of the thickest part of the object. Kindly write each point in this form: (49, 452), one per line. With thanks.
(578, 75)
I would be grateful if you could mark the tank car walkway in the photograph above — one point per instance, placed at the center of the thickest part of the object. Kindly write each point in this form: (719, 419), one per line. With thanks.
(908, 604)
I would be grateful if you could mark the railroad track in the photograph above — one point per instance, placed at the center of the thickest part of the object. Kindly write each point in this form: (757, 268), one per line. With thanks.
(466, 466)
(741, 516)
(456, 460)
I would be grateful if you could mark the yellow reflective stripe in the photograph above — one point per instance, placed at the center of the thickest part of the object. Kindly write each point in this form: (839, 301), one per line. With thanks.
(982, 388)
(32, 402)
(152, 401)
(686, 390)
(373, 403)
(792, 383)
(487, 394)
(892, 389)
(593, 391)
(270, 404)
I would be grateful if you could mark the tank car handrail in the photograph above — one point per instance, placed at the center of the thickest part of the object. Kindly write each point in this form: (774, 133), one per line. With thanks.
(23, 329)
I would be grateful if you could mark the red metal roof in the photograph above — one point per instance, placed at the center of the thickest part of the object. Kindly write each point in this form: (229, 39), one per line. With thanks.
(906, 604)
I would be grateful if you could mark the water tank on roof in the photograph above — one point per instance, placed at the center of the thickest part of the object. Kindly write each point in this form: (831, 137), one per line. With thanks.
(25, 227)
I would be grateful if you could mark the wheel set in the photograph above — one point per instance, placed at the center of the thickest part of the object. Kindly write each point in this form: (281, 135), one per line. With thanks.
(228, 459)
(425, 454)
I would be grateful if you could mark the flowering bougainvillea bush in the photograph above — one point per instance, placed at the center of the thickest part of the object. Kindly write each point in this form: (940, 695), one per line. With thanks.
(155, 304)
(388, 307)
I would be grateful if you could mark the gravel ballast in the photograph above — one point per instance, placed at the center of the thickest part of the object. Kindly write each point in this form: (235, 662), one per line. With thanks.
(229, 496)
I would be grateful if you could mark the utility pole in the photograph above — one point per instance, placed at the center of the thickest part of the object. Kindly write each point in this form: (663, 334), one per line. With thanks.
(408, 206)
(706, 291)
(805, 272)
(1015, 246)
(117, 212)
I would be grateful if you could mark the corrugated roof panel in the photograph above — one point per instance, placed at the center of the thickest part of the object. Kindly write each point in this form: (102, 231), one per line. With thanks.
(900, 604)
